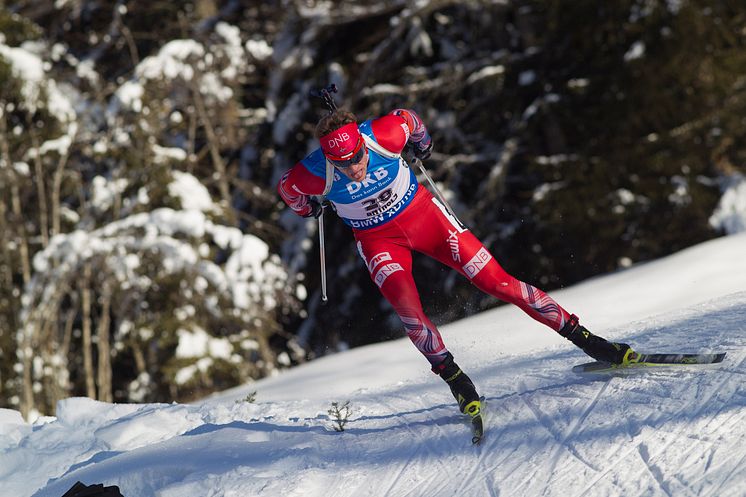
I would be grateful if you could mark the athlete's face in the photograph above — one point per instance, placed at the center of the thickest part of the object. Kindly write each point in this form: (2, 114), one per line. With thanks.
(356, 171)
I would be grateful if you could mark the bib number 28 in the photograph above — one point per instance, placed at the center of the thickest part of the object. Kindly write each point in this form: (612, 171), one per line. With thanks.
(378, 203)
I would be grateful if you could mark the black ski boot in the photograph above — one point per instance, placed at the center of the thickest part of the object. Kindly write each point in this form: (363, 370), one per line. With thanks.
(595, 346)
(461, 386)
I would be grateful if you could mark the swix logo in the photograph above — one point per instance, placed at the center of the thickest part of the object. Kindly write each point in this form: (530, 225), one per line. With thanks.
(385, 272)
(337, 140)
(370, 179)
(477, 263)
(453, 243)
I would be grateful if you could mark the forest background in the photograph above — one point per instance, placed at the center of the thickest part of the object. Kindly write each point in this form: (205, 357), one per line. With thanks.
(144, 253)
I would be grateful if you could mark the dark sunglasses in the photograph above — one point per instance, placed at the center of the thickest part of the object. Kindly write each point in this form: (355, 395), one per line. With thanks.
(342, 164)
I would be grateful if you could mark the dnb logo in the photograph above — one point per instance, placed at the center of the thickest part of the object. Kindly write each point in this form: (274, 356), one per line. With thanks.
(378, 259)
(338, 141)
(477, 263)
(385, 272)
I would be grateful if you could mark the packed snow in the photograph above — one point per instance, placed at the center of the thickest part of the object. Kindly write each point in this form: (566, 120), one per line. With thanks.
(550, 432)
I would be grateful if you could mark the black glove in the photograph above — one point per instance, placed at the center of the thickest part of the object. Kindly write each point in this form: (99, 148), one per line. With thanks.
(422, 150)
(316, 208)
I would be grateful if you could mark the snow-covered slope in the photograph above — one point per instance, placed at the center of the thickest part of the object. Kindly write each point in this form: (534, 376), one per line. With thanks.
(550, 432)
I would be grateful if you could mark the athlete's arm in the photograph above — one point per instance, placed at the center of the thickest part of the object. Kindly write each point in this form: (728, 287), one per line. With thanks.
(418, 135)
(296, 188)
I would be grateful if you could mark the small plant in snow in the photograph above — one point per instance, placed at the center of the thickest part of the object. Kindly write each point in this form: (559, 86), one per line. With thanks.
(250, 398)
(339, 414)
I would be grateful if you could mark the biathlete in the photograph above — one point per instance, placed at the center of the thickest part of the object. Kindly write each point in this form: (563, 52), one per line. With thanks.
(360, 170)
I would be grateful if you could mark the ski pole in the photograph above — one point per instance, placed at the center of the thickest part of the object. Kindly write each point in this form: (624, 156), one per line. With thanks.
(436, 190)
(325, 94)
(322, 253)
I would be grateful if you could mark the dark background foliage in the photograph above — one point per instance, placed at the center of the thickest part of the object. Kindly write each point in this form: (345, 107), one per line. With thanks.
(573, 137)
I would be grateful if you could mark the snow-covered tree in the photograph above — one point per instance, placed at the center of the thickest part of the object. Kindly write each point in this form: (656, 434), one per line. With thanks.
(128, 271)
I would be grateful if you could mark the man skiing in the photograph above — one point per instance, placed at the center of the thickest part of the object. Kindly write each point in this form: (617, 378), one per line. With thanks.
(359, 169)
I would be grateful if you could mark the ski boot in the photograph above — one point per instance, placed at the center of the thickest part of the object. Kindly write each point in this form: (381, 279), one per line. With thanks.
(595, 346)
(461, 386)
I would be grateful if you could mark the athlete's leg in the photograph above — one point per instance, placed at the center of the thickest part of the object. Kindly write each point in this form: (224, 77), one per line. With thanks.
(444, 239)
(390, 267)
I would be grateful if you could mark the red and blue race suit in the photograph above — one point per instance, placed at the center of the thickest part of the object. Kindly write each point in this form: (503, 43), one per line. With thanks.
(391, 215)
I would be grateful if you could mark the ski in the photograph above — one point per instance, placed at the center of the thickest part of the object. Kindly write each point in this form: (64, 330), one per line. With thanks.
(476, 416)
(648, 361)
(477, 429)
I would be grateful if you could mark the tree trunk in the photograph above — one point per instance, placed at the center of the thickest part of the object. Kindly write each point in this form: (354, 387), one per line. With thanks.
(41, 191)
(104, 348)
(214, 145)
(15, 201)
(56, 186)
(27, 398)
(90, 386)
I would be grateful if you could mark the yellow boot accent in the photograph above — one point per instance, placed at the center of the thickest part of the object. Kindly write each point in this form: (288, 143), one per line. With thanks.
(630, 357)
(473, 408)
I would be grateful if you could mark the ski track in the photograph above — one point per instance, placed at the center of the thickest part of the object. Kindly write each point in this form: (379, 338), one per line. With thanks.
(560, 439)
(708, 400)
(657, 428)
(490, 447)
(423, 446)
(573, 429)
(487, 447)
(479, 468)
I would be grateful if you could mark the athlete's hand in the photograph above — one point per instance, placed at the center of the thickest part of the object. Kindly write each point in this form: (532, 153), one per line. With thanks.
(423, 148)
(314, 208)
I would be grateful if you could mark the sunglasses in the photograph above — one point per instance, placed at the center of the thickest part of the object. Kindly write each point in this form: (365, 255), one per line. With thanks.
(356, 157)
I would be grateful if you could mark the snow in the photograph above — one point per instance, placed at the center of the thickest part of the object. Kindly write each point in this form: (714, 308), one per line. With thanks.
(129, 95)
(166, 154)
(259, 49)
(486, 72)
(730, 214)
(171, 61)
(26, 67)
(29, 69)
(197, 343)
(104, 191)
(636, 51)
(550, 432)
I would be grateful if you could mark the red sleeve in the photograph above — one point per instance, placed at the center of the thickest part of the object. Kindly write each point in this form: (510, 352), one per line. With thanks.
(415, 125)
(297, 185)
(391, 131)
